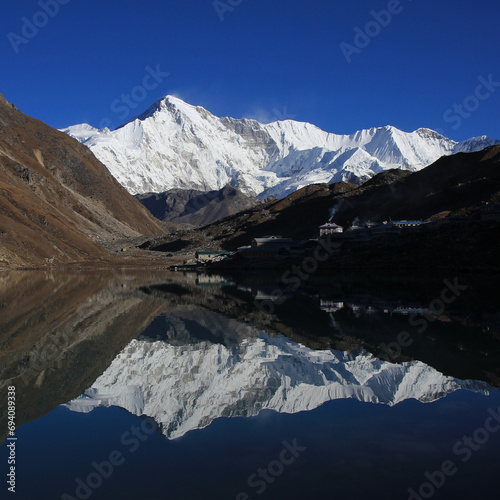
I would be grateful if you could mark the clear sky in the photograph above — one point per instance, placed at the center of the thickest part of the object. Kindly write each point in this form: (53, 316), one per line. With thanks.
(342, 65)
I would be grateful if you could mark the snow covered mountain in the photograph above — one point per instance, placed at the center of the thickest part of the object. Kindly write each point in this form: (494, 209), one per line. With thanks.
(185, 387)
(176, 145)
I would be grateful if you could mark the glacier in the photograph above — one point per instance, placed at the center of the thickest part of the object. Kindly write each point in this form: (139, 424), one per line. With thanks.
(176, 145)
(186, 387)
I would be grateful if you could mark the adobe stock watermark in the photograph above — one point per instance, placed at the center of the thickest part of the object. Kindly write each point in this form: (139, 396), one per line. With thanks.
(12, 439)
(100, 471)
(363, 37)
(463, 448)
(461, 111)
(298, 274)
(263, 477)
(449, 294)
(31, 27)
(48, 354)
(124, 105)
(221, 7)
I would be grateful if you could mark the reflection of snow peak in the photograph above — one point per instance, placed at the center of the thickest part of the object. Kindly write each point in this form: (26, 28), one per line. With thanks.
(187, 387)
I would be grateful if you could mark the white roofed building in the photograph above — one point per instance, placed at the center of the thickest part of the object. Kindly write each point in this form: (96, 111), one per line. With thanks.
(330, 228)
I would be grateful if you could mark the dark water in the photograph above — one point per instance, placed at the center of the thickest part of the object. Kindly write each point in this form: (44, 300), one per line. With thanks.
(186, 387)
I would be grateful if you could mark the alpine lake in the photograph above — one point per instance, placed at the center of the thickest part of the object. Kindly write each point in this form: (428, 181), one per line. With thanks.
(158, 385)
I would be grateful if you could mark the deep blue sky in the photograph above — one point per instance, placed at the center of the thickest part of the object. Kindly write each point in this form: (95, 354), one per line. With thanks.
(267, 59)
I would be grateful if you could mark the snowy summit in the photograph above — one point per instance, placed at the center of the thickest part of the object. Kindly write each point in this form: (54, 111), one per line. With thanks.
(177, 145)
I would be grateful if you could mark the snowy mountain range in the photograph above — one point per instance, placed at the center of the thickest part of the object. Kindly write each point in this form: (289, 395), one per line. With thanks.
(185, 387)
(176, 145)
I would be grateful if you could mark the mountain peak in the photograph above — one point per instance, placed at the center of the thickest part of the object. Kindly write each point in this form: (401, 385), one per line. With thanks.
(174, 144)
(158, 105)
(174, 106)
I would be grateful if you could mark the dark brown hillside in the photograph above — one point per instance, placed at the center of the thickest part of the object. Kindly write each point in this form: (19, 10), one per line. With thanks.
(297, 216)
(458, 184)
(57, 201)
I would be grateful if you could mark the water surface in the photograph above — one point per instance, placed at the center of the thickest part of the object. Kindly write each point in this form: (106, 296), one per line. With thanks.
(156, 386)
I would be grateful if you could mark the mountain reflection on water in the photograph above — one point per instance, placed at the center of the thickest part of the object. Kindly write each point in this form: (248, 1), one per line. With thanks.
(315, 369)
(186, 387)
(186, 349)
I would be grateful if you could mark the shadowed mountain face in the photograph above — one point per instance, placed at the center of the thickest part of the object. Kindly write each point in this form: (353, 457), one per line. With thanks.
(197, 208)
(57, 201)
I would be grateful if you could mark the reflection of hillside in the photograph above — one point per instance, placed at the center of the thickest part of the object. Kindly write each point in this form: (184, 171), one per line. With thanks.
(60, 331)
(190, 324)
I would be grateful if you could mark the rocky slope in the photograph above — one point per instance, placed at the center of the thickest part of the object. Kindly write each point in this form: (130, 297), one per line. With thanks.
(196, 208)
(175, 145)
(57, 201)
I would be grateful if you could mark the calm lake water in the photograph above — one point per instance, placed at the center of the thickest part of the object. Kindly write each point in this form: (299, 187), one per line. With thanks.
(152, 386)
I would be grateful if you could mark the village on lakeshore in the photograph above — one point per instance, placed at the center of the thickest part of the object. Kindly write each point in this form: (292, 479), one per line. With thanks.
(278, 249)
